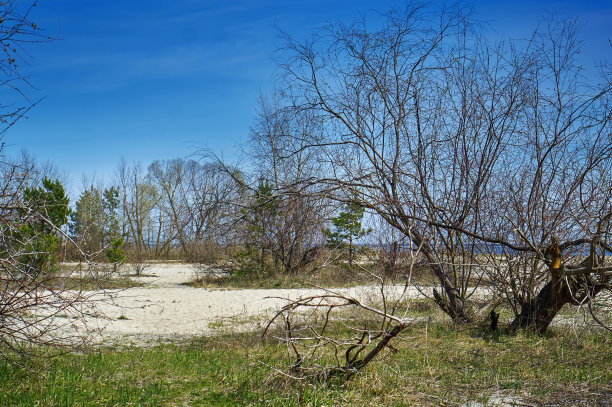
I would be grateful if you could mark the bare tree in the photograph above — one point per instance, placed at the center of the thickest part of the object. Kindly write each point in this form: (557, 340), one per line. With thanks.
(472, 150)
(195, 203)
(139, 201)
(555, 196)
(169, 178)
(289, 225)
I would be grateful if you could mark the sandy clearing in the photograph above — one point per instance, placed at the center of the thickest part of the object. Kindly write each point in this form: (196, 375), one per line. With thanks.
(164, 309)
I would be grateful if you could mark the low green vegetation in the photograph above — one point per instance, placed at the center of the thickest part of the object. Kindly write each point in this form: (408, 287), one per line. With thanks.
(87, 277)
(365, 270)
(102, 283)
(328, 277)
(430, 364)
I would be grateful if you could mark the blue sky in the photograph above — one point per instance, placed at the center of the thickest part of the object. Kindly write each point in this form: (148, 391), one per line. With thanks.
(159, 79)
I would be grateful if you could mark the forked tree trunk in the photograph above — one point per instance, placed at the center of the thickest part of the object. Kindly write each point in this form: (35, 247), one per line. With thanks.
(539, 313)
(451, 302)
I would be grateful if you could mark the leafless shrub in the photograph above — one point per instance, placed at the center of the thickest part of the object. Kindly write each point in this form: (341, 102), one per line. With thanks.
(138, 267)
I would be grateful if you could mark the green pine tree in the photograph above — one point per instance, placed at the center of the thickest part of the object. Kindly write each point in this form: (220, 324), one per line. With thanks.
(348, 226)
(95, 223)
(46, 210)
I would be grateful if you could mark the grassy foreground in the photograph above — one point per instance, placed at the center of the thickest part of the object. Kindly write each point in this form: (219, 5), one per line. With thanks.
(436, 364)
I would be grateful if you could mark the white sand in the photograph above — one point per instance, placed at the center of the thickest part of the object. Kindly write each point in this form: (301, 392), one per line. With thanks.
(164, 309)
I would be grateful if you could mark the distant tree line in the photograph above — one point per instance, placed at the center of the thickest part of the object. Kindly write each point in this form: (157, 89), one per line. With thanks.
(193, 211)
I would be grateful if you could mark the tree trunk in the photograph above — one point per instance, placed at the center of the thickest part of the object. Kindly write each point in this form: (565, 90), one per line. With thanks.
(262, 257)
(351, 251)
(539, 313)
(451, 303)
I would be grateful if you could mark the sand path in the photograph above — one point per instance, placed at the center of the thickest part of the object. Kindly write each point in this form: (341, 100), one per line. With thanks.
(165, 309)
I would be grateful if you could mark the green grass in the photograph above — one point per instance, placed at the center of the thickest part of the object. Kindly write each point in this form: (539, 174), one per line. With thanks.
(436, 364)
(240, 282)
(77, 276)
(275, 281)
(106, 283)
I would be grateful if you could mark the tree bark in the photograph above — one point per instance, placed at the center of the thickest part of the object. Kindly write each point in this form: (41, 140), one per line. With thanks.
(452, 303)
(539, 313)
